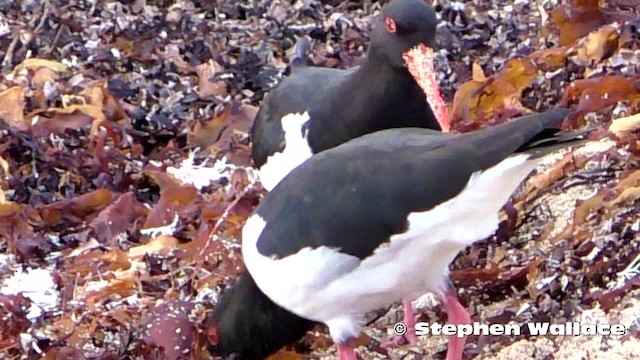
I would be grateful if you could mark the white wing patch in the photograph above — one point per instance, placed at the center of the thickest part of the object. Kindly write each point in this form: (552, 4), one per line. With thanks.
(296, 151)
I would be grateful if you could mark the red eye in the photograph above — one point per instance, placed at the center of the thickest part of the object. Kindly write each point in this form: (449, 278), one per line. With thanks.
(212, 335)
(390, 24)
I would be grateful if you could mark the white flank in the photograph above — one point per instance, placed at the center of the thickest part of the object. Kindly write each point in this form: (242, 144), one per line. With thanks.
(296, 151)
(325, 285)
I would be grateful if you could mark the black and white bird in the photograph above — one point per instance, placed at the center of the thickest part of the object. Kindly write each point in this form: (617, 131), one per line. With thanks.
(318, 108)
(374, 221)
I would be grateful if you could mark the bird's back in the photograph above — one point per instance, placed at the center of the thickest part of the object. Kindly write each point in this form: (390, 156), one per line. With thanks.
(292, 95)
(368, 186)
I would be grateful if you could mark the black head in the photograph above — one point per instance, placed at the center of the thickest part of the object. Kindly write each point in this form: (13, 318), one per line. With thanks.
(402, 25)
(246, 324)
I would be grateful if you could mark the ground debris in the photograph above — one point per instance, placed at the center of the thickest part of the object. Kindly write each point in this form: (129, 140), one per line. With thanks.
(125, 175)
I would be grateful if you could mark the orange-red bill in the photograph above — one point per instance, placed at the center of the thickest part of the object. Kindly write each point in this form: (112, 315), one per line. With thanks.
(419, 61)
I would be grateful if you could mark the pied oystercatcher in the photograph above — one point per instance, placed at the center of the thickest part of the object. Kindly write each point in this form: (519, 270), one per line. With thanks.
(339, 105)
(371, 222)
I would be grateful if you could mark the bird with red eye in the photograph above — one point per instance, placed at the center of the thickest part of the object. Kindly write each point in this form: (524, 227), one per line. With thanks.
(382, 93)
(317, 108)
(390, 24)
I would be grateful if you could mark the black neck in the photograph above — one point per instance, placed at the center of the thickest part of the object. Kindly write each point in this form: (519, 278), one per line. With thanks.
(251, 325)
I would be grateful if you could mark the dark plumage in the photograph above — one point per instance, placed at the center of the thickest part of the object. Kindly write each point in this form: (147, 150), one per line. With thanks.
(378, 199)
(358, 195)
(344, 104)
(247, 325)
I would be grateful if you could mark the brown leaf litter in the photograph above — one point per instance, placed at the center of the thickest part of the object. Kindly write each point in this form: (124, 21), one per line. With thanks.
(126, 175)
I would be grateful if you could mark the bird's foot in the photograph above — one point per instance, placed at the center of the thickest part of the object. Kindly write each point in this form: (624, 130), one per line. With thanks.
(346, 350)
(399, 340)
(457, 315)
(404, 334)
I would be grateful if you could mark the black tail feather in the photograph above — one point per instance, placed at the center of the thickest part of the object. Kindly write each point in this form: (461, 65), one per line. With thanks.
(552, 139)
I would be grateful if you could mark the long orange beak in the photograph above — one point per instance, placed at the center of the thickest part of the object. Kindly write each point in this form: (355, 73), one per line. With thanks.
(419, 60)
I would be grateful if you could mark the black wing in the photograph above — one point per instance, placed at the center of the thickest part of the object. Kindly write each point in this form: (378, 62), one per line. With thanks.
(292, 95)
(357, 195)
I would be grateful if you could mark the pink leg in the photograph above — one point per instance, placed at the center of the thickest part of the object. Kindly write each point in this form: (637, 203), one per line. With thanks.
(457, 315)
(346, 350)
(410, 323)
